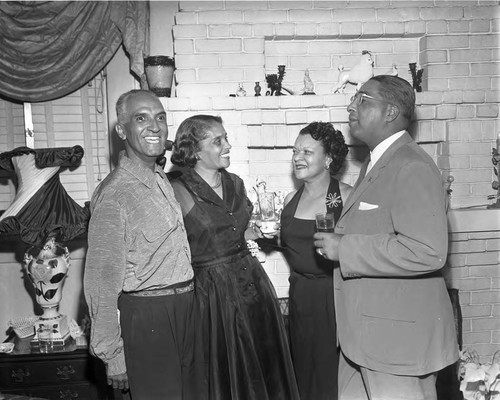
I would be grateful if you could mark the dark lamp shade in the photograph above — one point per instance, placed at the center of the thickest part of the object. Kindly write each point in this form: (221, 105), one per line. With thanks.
(159, 74)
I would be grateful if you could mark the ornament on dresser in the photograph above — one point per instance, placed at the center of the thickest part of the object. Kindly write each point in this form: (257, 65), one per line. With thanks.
(358, 75)
(47, 268)
(416, 76)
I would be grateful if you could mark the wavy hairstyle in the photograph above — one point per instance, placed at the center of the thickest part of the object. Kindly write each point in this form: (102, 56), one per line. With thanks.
(332, 141)
(399, 92)
(188, 137)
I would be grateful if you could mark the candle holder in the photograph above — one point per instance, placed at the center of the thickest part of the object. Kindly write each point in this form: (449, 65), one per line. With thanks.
(274, 82)
(416, 76)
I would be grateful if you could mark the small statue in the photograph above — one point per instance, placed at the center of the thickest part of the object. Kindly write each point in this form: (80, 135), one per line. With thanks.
(308, 84)
(393, 71)
(257, 88)
(358, 75)
(416, 76)
(241, 92)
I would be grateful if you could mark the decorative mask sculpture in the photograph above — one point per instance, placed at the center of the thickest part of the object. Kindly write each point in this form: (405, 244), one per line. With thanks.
(47, 268)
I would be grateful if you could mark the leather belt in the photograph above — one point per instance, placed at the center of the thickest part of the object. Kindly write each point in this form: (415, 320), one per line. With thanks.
(165, 291)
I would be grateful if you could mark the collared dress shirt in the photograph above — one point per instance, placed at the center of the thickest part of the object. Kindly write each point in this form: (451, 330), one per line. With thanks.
(381, 148)
(137, 241)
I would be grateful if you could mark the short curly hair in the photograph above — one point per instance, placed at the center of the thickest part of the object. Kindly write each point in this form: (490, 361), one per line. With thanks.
(188, 137)
(332, 141)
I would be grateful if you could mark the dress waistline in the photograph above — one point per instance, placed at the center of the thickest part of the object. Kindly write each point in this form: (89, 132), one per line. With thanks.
(312, 276)
(222, 260)
(180, 288)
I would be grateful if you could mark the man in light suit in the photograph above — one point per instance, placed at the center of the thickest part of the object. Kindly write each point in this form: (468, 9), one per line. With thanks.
(394, 317)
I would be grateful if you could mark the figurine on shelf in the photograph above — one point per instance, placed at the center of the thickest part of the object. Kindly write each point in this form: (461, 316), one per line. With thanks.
(274, 82)
(308, 84)
(358, 75)
(416, 76)
(257, 89)
(393, 71)
(241, 91)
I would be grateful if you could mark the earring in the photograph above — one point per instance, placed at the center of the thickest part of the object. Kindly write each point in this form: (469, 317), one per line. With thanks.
(327, 166)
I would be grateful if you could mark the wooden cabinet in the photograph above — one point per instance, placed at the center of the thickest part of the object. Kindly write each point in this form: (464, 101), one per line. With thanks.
(67, 375)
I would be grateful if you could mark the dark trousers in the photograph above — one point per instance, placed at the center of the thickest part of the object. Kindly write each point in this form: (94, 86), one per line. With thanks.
(162, 347)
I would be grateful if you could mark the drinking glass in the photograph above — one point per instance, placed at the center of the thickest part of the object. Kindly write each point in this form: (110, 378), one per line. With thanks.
(45, 339)
(267, 212)
(325, 222)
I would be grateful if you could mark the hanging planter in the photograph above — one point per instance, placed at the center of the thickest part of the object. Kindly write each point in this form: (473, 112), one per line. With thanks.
(159, 74)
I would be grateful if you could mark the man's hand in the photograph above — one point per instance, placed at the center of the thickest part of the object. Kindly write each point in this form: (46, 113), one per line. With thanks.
(327, 245)
(119, 381)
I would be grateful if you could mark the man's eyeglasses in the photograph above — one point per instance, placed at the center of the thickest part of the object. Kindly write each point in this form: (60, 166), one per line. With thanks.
(359, 97)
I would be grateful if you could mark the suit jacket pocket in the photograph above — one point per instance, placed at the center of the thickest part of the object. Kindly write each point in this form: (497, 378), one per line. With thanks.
(389, 341)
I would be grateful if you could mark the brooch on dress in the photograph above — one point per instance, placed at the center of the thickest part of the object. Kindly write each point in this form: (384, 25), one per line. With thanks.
(333, 200)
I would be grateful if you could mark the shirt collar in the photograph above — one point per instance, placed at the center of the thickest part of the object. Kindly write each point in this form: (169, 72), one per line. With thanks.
(139, 171)
(382, 147)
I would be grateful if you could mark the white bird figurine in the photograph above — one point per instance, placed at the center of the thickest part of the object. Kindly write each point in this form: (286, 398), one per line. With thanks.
(358, 75)
(393, 71)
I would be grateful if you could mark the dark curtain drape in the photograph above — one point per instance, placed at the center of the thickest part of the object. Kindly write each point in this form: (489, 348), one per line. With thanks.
(49, 49)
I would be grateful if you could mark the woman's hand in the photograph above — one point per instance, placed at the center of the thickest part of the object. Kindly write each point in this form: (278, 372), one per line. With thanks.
(269, 229)
(254, 231)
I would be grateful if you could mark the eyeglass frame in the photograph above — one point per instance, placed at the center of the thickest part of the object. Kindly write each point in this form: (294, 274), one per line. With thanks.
(359, 96)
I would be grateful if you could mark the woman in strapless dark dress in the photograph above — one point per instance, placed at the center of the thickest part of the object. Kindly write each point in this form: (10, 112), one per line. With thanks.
(247, 353)
(318, 155)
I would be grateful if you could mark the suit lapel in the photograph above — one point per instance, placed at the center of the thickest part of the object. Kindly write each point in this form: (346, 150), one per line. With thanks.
(352, 199)
(364, 181)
